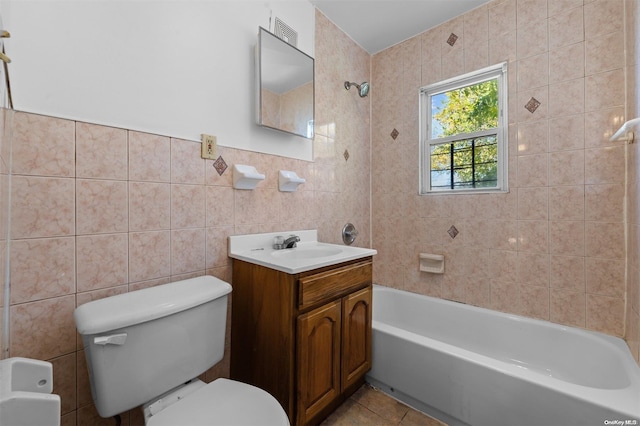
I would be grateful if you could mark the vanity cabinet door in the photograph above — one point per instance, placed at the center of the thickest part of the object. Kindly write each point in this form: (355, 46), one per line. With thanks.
(319, 359)
(356, 336)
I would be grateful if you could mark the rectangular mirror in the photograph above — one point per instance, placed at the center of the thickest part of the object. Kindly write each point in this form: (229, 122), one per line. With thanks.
(285, 95)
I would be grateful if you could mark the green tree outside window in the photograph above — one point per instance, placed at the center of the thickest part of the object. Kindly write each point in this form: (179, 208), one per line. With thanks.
(468, 162)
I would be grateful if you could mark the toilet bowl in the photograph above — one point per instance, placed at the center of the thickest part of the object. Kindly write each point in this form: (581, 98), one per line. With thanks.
(148, 347)
(222, 402)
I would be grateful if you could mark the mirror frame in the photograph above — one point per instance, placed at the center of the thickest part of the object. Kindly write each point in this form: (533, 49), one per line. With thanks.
(262, 32)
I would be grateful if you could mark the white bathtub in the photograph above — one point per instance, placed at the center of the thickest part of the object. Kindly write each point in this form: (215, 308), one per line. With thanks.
(472, 366)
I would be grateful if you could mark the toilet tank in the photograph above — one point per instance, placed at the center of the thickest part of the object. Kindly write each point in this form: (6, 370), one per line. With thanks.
(141, 344)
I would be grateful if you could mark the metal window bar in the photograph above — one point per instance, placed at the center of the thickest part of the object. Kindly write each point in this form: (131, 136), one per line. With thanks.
(451, 163)
(452, 151)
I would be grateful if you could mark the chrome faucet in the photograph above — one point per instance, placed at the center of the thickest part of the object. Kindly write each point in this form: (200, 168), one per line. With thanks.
(291, 241)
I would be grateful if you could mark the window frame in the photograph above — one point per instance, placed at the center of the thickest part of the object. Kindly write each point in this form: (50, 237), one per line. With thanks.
(499, 72)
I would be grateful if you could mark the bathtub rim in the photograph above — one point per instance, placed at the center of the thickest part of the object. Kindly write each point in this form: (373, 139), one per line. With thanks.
(623, 399)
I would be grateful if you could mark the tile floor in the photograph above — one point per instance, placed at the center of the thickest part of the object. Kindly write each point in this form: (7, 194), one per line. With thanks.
(371, 407)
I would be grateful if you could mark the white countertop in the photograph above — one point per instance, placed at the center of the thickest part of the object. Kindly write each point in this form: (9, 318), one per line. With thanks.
(309, 253)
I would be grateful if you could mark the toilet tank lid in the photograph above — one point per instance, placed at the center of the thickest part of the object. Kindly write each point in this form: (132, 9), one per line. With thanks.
(135, 307)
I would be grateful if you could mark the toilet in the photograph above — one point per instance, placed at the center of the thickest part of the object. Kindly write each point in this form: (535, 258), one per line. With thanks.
(148, 347)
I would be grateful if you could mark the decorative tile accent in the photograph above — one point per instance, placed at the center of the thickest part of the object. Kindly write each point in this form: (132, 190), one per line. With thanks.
(532, 105)
(453, 231)
(346, 155)
(452, 39)
(220, 165)
(394, 134)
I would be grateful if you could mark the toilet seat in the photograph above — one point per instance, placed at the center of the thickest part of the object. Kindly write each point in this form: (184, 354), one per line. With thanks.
(223, 402)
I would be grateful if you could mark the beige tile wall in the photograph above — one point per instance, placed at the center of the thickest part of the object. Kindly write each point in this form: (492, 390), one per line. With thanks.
(99, 211)
(553, 247)
(633, 182)
(6, 120)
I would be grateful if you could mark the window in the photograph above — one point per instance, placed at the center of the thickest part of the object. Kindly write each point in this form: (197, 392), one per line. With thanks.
(463, 133)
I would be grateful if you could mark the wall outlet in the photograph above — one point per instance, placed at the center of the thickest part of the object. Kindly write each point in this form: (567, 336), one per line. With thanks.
(209, 143)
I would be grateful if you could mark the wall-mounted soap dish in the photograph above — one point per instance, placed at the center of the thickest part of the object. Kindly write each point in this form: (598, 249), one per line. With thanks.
(246, 177)
(288, 181)
(433, 263)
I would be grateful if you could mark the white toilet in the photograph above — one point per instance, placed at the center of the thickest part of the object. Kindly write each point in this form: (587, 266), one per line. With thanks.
(147, 347)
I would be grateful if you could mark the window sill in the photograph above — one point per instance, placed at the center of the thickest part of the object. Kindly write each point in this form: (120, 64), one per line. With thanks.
(466, 192)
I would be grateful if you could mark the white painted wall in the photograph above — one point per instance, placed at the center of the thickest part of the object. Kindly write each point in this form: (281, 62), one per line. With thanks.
(174, 68)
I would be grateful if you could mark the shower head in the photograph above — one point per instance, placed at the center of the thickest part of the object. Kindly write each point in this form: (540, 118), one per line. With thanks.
(363, 89)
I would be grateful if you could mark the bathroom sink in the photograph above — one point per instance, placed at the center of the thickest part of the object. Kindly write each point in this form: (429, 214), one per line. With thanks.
(309, 253)
(302, 252)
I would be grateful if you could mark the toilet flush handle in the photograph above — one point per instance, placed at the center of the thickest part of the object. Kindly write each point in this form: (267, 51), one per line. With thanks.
(112, 339)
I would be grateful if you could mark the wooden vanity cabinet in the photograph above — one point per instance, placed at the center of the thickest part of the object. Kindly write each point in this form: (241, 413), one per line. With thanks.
(305, 338)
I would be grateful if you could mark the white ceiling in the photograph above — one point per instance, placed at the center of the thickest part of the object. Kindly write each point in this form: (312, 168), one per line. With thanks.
(378, 24)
